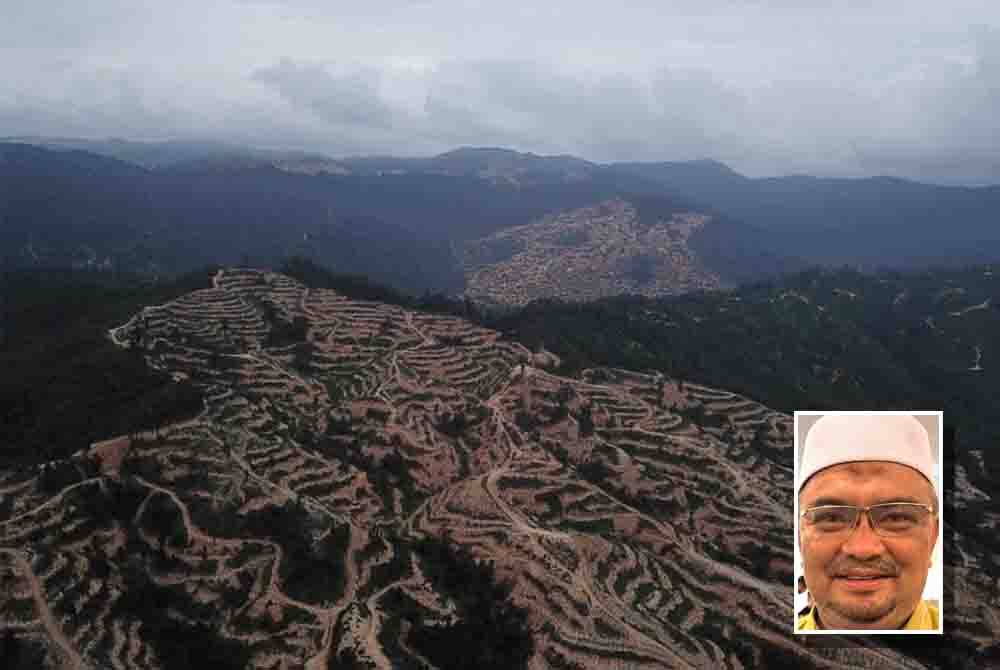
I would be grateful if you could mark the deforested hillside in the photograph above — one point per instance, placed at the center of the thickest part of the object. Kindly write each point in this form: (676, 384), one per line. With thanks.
(373, 486)
(589, 253)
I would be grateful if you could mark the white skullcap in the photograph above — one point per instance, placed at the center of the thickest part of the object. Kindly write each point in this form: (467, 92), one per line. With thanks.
(846, 438)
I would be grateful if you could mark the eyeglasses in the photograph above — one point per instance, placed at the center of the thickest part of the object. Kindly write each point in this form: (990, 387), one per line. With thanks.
(887, 519)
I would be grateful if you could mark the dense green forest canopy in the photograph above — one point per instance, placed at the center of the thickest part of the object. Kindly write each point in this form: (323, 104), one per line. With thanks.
(65, 384)
(821, 339)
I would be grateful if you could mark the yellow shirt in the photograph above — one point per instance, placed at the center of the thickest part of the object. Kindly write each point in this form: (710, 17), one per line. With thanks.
(925, 617)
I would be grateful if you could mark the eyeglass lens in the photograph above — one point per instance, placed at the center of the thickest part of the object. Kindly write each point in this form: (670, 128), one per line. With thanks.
(897, 519)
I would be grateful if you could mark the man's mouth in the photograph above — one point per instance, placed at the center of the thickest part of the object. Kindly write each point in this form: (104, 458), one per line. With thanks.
(863, 581)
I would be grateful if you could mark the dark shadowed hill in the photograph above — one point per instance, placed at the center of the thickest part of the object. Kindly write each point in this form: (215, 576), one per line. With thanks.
(153, 155)
(25, 160)
(497, 164)
(76, 209)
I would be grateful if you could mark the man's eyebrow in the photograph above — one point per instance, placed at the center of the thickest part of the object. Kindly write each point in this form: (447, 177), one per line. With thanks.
(903, 499)
(830, 500)
(822, 502)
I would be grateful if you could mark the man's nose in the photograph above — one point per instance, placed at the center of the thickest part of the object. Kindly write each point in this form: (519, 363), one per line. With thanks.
(863, 542)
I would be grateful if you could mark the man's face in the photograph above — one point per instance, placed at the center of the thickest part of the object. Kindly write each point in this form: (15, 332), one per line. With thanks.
(901, 563)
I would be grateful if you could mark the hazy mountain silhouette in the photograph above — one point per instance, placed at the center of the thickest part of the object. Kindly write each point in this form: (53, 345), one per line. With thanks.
(168, 153)
(877, 221)
(72, 208)
(400, 219)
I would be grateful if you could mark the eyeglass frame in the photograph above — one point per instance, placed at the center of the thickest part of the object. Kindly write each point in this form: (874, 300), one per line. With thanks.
(868, 512)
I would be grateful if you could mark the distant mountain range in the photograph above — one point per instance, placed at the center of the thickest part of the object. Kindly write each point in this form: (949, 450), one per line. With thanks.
(871, 222)
(170, 207)
(156, 155)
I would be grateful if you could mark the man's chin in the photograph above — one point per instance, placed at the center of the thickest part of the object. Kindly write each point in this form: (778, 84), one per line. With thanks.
(860, 616)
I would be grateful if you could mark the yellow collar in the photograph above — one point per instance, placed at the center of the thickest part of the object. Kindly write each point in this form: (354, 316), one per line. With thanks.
(924, 617)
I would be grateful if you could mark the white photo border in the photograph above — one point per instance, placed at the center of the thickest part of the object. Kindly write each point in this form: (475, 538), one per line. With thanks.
(939, 471)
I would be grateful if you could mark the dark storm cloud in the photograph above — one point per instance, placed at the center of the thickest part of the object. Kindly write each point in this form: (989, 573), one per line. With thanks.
(529, 106)
(851, 88)
(958, 131)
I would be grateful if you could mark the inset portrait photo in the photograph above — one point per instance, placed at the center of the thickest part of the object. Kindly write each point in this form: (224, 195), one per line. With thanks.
(868, 526)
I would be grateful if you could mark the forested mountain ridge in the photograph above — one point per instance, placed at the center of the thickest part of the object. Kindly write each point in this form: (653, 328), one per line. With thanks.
(75, 209)
(160, 155)
(405, 221)
(834, 337)
(82, 210)
(870, 222)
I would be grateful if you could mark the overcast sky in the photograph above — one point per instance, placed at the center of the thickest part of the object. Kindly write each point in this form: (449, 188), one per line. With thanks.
(911, 88)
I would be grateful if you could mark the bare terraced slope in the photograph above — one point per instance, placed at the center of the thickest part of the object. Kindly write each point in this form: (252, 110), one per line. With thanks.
(586, 254)
(634, 537)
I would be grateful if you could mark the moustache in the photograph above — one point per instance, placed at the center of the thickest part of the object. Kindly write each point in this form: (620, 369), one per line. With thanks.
(878, 568)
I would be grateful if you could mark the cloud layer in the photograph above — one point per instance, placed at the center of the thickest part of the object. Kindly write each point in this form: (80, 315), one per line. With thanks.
(770, 88)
